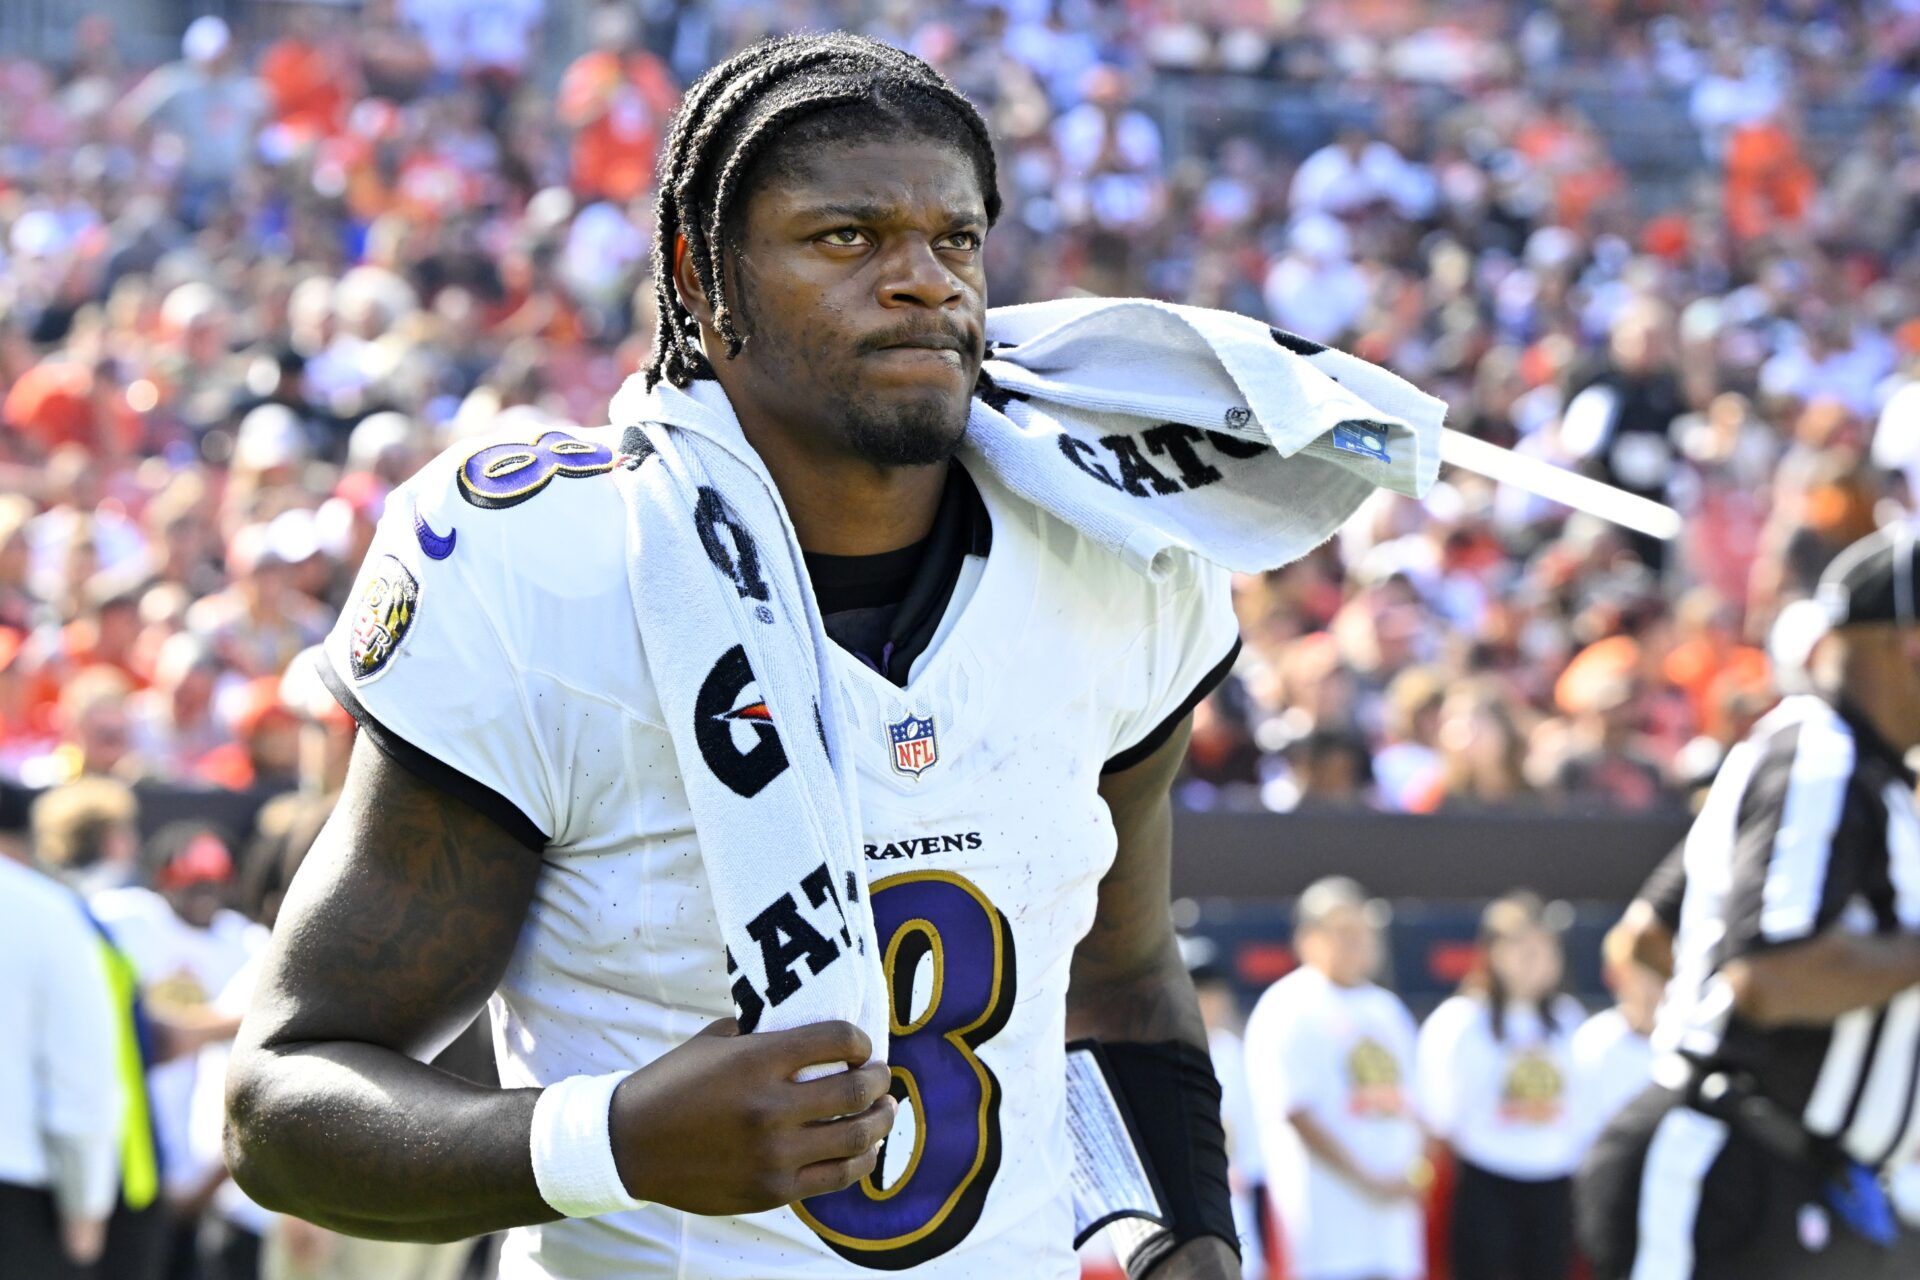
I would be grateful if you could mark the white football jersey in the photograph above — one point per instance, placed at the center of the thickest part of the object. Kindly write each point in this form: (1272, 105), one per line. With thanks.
(491, 644)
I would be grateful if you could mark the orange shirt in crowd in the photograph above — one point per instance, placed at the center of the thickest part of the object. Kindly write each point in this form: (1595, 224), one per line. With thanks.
(617, 106)
(55, 403)
(304, 88)
(1768, 184)
(1704, 669)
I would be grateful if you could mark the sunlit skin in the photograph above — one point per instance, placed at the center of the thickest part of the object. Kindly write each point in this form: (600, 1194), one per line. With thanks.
(859, 287)
(1876, 668)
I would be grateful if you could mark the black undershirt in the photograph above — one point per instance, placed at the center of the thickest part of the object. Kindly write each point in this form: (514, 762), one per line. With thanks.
(885, 608)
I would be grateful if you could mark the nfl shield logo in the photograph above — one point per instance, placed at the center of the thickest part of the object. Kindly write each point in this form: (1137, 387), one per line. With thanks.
(914, 749)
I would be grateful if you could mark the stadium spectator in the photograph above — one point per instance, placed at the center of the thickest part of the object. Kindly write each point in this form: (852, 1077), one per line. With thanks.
(173, 722)
(1770, 188)
(208, 107)
(1313, 288)
(60, 1099)
(1330, 1060)
(1325, 768)
(1482, 753)
(1496, 1083)
(1355, 174)
(306, 83)
(93, 733)
(616, 98)
(1620, 419)
(185, 945)
(1110, 156)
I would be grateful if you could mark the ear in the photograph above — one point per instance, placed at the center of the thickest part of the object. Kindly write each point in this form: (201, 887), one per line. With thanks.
(686, 283)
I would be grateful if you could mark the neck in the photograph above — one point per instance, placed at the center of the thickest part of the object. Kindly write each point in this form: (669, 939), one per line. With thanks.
(1881, 705)
(842, 505)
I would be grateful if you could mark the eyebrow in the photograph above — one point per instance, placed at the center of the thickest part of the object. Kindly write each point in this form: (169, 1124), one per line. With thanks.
(873, 211)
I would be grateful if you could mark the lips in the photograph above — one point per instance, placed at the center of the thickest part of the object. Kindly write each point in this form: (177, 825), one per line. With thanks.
(934, 343)
(932, 340)
(946, 355)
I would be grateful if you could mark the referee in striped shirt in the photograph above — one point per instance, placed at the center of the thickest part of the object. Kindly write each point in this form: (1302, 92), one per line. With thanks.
(1789, 1042)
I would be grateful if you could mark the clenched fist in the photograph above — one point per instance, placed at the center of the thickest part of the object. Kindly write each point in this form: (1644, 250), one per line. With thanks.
(718, 1125)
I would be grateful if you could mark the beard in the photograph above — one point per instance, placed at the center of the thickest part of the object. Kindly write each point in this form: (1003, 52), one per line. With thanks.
(920, 428)
(920, 432)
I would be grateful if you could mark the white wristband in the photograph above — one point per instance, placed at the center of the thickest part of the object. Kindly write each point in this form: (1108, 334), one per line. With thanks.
(573, 1147)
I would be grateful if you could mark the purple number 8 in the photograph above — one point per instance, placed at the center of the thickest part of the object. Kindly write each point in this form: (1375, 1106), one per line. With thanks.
(939, 919)
(506, 475)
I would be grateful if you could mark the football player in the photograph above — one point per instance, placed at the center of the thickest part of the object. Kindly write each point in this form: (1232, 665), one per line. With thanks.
(513, 828)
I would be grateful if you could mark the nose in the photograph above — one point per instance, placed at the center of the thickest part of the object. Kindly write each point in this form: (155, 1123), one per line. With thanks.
(913, 275)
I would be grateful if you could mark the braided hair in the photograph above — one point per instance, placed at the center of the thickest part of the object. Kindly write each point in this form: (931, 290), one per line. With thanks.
(806, 91)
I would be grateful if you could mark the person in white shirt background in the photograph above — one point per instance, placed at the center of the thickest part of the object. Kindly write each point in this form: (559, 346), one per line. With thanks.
(1612, 1059)
(1246, 1172)
(186, 945)
(1329, 1061)
(1495, 1082)
(60, 1096)
(1356, 172)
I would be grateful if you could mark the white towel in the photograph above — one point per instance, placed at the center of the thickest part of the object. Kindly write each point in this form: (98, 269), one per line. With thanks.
(1156, 430)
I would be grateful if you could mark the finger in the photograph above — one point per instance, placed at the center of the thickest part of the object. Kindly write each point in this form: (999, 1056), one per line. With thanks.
(819, 1042)
(832, 1175)
(719, 1027)
(846, 1093)
(844, 1138)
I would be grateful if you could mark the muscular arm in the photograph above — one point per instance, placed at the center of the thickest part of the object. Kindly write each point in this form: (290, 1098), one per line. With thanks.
(1654, 914)
(1649, 941)
(1815, 981)
(393, 935)
(1128, 981)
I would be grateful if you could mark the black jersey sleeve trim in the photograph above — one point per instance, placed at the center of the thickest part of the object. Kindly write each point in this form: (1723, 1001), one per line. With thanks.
(1157, 737)
(433, 771)
(1666, 887)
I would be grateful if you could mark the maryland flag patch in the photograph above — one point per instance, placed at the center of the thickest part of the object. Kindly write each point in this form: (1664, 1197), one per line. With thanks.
(387, 605)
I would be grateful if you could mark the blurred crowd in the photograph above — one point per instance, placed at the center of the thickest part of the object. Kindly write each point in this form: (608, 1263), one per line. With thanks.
(245, 292)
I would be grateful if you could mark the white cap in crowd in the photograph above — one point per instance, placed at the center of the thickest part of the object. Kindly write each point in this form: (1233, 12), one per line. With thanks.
(206, 38)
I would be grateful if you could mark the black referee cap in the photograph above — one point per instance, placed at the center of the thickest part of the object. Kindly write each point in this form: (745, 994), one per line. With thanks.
(1874, 580)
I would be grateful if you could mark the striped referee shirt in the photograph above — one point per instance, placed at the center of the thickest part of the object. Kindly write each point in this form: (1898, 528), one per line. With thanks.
(1810, 824)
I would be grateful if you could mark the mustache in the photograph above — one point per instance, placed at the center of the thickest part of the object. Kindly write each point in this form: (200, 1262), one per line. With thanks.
(943, 337)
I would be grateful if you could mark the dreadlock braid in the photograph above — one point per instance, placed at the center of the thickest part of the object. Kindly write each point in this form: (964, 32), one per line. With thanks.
(799, 91)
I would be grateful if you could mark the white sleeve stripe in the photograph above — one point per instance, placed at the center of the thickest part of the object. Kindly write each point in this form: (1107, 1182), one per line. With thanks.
(1903, 853)
(1684, 1147)
(1839, 1072)
(1809, 818)
(1882, 1112)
